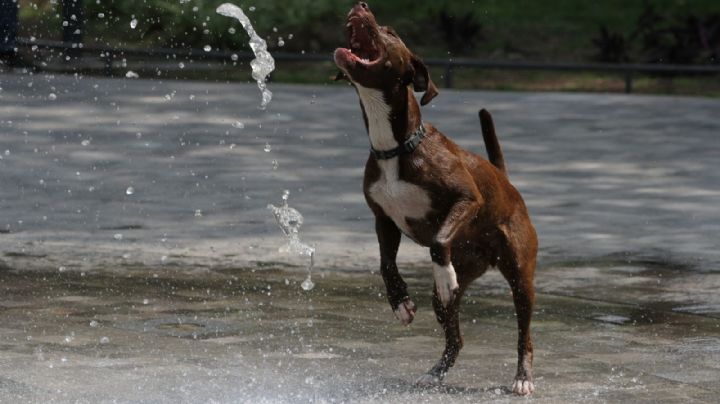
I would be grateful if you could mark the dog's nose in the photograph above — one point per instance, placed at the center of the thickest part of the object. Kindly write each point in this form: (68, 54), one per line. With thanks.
(361, 6)
(359, 9)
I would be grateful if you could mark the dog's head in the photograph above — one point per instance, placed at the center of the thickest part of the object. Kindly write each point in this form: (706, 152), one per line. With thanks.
(377, 58)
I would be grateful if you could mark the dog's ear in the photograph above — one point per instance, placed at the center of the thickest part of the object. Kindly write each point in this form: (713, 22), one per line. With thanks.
(422, 81)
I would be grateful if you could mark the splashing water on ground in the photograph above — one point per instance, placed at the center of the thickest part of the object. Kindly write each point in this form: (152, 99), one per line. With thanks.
(290, 221)
(263, 64)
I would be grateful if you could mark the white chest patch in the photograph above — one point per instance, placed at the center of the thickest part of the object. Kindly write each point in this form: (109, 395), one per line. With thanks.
(399, 200)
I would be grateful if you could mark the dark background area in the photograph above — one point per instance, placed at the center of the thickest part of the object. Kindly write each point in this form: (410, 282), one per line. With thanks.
(555, 31)
(567, 30)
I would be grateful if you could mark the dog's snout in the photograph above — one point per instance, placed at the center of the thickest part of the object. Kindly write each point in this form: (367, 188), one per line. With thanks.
(360, 7)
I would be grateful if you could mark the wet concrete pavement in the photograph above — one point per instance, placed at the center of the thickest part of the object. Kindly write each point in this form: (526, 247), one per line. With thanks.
(236, 335)
(175, 292)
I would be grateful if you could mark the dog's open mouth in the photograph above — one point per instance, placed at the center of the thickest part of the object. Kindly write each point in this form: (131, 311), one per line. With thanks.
(362, 41)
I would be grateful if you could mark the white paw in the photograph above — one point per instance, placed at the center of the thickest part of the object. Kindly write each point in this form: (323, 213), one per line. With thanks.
(523, 387)
(427, 380)
(445, 283)
(405, 312)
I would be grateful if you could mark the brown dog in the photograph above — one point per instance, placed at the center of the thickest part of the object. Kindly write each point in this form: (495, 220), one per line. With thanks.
(421, 184)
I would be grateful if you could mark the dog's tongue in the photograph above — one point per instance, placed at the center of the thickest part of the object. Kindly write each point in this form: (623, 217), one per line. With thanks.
(344, 58)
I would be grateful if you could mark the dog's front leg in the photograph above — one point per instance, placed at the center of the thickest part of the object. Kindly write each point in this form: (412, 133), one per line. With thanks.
(389, 239)
(459, 215)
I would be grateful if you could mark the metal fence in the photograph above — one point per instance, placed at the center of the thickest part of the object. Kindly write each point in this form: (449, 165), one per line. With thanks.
(110, 55)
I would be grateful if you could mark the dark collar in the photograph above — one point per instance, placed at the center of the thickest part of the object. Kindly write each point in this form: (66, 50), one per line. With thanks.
(406, 148)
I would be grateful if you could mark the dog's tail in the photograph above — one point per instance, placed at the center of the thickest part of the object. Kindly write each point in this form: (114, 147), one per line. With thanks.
(492, 145)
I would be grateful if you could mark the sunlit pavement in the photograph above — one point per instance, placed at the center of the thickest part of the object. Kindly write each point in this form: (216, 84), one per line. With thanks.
(174, 290)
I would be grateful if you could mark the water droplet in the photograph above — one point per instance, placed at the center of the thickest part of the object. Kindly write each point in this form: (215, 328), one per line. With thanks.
(130, 191)
(207, 48)
(267, 148)
(131, 74)
(251, 8)
(163, 259)
(290, 36)
(94, 323)
(275, 164)
(238, 125)
(104, 340)
(133, 23)
(290, 221)
(85, 142)
(234, 57)
(101, 15)
(198, 213)
(281, 42)
(231, 30)
(69, 339)
(146, 301)
(118, 236)
(52, 97)
(307, 284)
(62, 269)
(181, 65)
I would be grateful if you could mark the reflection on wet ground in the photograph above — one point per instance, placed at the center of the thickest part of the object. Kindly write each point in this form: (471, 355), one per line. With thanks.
(604, 331)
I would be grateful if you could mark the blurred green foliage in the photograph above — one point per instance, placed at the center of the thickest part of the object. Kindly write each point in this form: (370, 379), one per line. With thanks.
(499, 29)
(309, 25)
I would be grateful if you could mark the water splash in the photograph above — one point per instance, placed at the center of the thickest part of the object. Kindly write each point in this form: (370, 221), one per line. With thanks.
(263, 64)
(290, 221)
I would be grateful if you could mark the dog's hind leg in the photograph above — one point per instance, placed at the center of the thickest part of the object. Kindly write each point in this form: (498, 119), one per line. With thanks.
(518, 268)
(523, 297)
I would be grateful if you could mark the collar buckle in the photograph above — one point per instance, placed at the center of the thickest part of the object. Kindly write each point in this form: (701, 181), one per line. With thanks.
(406, 148)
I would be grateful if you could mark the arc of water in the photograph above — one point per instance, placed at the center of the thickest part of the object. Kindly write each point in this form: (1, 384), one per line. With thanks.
(263, 64)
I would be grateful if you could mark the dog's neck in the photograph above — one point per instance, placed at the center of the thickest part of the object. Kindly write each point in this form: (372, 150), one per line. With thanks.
(389, 122)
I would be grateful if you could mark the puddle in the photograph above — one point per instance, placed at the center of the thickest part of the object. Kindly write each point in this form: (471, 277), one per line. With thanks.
(613, 319)
(699, 309)
(183, 327)
(317, 355)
